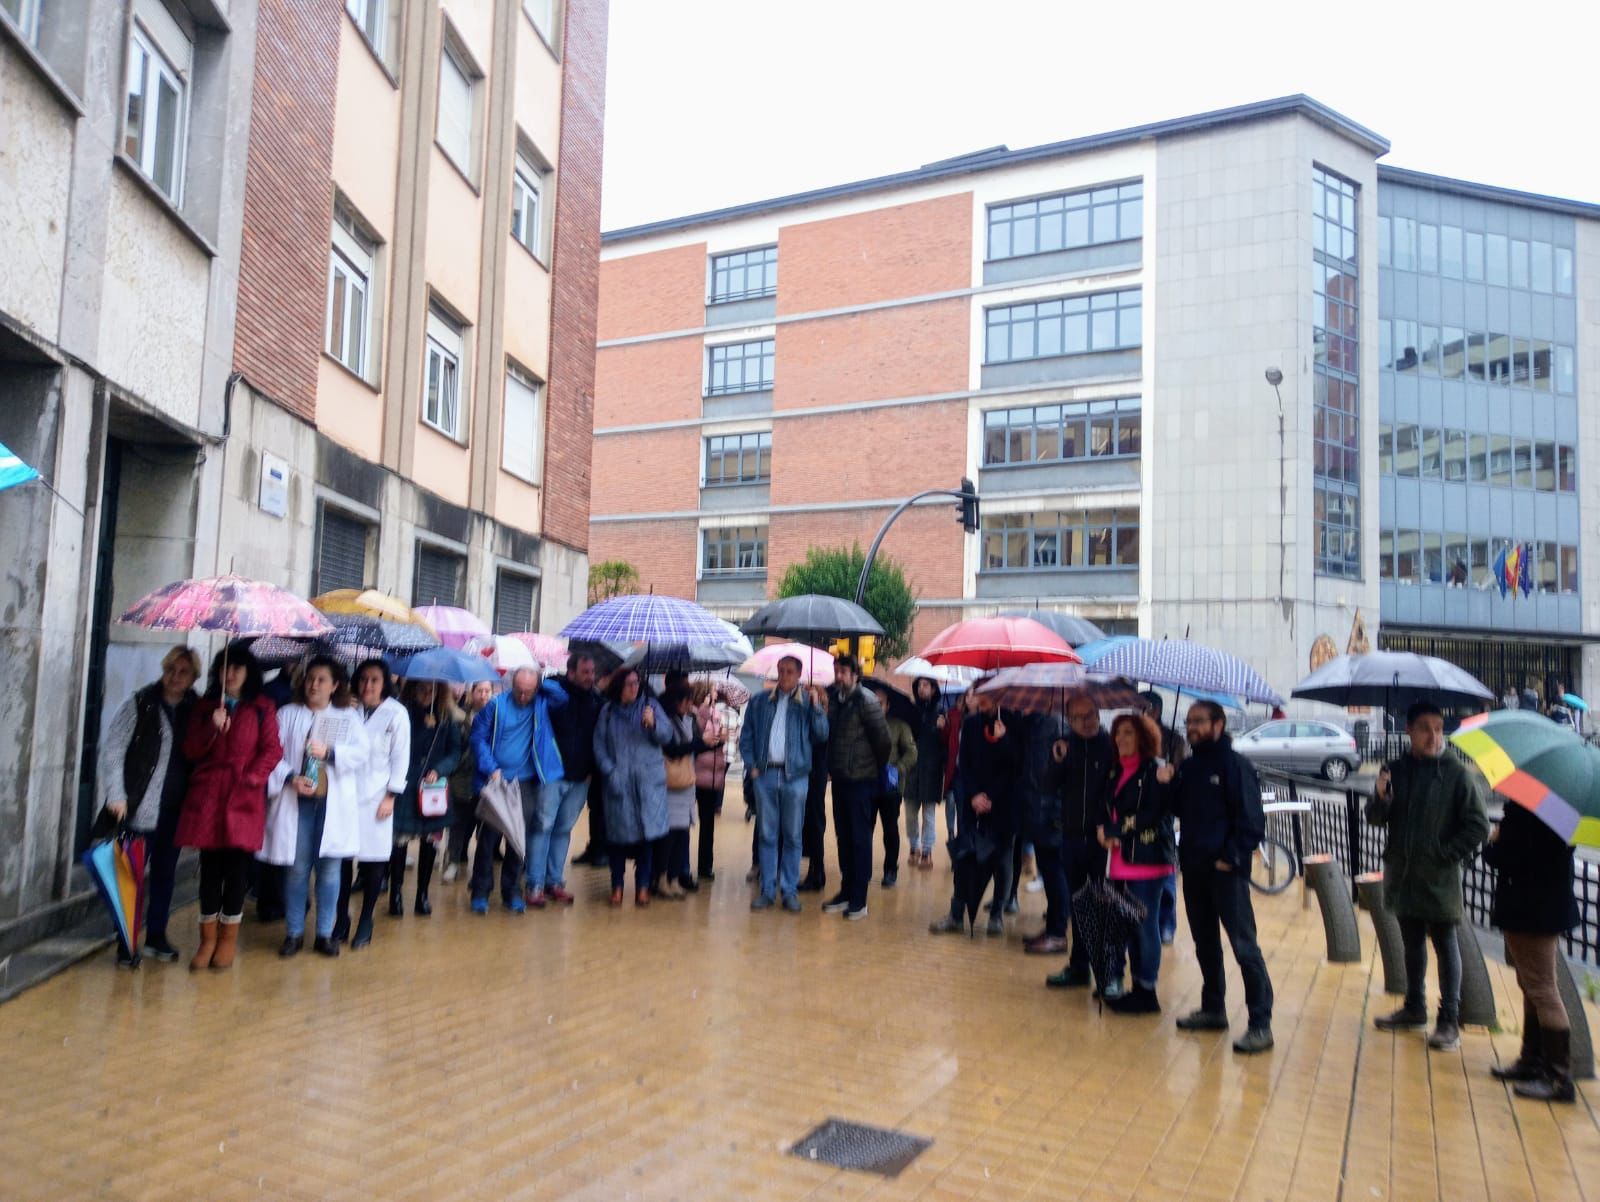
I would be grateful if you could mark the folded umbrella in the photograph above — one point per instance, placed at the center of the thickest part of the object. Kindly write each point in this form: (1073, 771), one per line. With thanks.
(116, 866)
(500, 806)
(974, 857)
(1106, 919)
(1542, 766)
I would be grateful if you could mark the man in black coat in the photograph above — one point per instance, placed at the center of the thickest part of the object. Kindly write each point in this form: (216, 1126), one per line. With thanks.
(573, 726)
(1085, 759)
(988, 817)
(1217, 800)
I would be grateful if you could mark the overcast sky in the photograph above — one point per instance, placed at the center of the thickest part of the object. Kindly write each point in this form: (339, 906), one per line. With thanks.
(716, 102)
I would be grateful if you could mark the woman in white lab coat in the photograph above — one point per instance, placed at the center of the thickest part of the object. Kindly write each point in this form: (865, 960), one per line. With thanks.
(388, 761)
(313, 792)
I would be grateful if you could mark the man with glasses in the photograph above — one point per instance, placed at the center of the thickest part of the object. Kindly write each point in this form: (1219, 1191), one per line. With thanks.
(1084, 760)
(1217, 800)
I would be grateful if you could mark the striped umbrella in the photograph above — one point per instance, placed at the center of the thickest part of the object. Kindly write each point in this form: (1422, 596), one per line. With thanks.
(226, 604)
(1179, 664)
(646, 618)
(453, 626)
(1541, 766)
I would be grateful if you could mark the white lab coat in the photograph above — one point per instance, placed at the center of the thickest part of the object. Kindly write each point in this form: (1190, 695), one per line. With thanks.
(341, 730)
(388, 762)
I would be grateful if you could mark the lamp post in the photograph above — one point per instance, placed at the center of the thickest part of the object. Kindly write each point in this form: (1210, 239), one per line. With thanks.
(1275, 378)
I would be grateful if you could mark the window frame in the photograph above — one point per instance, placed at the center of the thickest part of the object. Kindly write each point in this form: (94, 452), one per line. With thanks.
(759, 450)
(520, 377)
(453, 52)
(373, 27)
(765, 359)
(1126, 412)
(757, 549)
(26, 18)
(1030, 211)
(529, 179)
(441, 326)
(550, 31)
(1063, 312)
(535, 584)
(325, 508)
(158, 65)
(349, 244)
(719, 265)
(1084, 531)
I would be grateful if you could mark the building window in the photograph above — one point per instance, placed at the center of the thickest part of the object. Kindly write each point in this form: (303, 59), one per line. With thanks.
(341, 558)
(728, 550)
(740, 367)
(441, 397)
(1059, 541)
(543, 15)
(516, 601)
(372, 19)
(437, 578)
(350, 271)
(744, 274)
(160, 56)
(1336, 363)
(527, 204)
(1073, 325)
(25, 15)
(1460, 457)
(1458, 560)
(521, 453)
(455, 131)
(1053, 433)
(1066, 221)
(738, 459)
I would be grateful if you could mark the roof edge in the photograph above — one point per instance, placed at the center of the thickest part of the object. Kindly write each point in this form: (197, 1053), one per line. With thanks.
(1462, 187)
(965, 165)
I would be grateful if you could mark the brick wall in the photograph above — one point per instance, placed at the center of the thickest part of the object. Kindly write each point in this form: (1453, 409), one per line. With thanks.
(650, 472)
(653, 293)
(648, 382)
(663, 552)
(288, 202)
(869, 454)
(569, 420)
(869, 356)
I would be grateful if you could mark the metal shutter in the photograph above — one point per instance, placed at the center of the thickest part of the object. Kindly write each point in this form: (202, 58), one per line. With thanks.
(438, 577)
(341, 552)
(514, 598)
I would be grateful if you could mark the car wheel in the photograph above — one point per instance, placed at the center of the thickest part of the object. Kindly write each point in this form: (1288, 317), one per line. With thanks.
(1335, 769)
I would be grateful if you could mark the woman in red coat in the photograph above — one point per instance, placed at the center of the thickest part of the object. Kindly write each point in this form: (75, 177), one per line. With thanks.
(232, 746)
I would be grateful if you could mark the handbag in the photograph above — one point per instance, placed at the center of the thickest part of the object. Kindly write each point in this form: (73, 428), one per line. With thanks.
(433, 801)
(680, 771)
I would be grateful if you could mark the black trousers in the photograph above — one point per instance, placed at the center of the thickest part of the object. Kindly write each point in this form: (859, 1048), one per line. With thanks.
(1218, 902)
(1053, 872)
(854, 812)
(463, 817)
(813, 833)
(224, 875)
(887, 812)
(709, 803)
(161, 869)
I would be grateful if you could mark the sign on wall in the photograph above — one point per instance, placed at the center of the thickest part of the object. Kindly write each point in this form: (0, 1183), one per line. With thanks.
(274, 494)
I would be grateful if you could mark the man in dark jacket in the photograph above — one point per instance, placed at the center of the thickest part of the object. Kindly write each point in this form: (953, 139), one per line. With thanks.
(858, 750)
(1085, 759)
(1217, 800)
(1436, 820)
(987, 814)
(1039, 798)
(561, 801)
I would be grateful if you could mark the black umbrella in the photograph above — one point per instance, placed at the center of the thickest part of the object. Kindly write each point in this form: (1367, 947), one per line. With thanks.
(975, 855)
(1393, 680)
(1106, 919)
(811, 618)
(1076, 631)
(899, 703)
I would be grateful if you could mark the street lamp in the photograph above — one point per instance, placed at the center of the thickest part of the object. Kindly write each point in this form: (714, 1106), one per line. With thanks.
(1275, 378)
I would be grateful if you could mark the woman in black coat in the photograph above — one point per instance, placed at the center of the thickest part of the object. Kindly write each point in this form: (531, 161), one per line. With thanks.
(1533, 906)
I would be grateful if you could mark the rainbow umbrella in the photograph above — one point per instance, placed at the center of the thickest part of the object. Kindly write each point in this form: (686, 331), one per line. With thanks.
(1541, 766)
(116, 867)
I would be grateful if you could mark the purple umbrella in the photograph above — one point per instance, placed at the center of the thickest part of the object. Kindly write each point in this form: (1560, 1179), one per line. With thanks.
(454, 626)
(647, 618)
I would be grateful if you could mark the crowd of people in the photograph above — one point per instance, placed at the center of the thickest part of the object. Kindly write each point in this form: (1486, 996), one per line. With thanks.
(325, 776)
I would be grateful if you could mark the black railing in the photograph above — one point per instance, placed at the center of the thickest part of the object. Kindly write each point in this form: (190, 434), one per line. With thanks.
(1336, 826)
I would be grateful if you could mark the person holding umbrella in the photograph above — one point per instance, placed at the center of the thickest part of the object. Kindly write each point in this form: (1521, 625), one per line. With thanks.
(143, 776)
(782, 729)
(232, 743)
(902, 759)
(858, 752)
(628, 738)
(925, 788)
(987, 765)
(435, 752)
(1086, 758)
(561, 801)
(1435, 819)
(1137, 833)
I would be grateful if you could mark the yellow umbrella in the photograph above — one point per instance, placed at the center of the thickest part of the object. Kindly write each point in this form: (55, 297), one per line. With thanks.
(372, 604)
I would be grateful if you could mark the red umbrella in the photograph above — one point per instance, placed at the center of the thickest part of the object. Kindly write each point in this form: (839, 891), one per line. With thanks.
(992, 643)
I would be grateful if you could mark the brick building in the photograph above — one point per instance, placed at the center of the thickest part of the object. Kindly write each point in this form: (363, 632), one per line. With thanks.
(1084, 329)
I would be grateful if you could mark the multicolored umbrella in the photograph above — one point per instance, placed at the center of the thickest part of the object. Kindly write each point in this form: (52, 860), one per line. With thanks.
(228, 604)
(647, 618)
(1179, 664)
(355, 637)
(993, 643)
(453, 626)
(116, 866)
(816, 665)
(1048, 688)
(1541, 766)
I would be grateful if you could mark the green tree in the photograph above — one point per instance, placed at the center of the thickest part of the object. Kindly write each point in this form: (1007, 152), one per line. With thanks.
(834, 571)
(611, 578)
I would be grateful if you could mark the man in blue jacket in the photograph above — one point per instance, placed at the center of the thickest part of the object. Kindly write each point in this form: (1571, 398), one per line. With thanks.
(512, 739)
(775, 745)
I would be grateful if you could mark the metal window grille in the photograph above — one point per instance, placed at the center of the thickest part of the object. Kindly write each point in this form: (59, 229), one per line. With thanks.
(515, 601)
(437, 580)
(341, 560)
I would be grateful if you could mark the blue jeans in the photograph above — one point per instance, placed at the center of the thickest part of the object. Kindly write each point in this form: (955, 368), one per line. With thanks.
(1169, 908)
(1144, 949)
(308, 841)
(550, 833)
(780, 820)
(922, 822)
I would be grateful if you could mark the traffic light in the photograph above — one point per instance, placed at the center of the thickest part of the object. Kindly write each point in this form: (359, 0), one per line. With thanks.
(969, 506)
(866, 651)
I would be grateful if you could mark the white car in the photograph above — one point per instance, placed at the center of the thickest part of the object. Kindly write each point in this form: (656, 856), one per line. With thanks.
(1307, 747)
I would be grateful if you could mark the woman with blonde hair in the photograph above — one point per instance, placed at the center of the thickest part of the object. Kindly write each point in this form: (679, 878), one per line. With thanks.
(435, 753)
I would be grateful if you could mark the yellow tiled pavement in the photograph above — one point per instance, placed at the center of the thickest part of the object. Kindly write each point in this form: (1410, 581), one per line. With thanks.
(676, 1052)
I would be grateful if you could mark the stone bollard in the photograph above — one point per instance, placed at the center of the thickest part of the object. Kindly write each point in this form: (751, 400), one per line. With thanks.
(1385, 928)
(1477, 994)
(1325, 878)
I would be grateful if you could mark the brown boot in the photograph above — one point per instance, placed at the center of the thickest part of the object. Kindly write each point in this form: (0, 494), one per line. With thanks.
(208, 944)
(227, 941)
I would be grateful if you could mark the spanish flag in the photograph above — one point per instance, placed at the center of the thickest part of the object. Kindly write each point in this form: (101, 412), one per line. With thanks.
(1513, 565)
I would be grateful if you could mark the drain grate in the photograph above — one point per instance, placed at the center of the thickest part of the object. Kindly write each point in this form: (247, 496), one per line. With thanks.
(857, 1146)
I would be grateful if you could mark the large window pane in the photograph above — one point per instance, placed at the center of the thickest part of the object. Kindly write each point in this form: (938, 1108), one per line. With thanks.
(1450, 262)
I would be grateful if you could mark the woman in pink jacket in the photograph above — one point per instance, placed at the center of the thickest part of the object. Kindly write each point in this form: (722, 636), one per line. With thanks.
(710, 771)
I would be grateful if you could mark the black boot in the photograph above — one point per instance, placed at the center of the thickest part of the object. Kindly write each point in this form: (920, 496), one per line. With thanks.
(397, 881)
(371, 890)
(1529, 1065)
(1555, 1084)
(425, 858)
(341, 923)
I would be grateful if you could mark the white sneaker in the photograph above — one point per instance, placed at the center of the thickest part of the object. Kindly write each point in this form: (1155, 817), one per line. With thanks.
(1034, 886)
(451, 871)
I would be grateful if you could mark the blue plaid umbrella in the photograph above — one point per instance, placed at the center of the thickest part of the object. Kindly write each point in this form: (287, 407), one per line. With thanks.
(1178, 664)
(647, 618)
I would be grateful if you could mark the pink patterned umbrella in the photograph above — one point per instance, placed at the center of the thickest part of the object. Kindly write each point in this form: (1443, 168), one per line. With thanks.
(550, 650)
(227, 604)
(816, 664)
(454, 626)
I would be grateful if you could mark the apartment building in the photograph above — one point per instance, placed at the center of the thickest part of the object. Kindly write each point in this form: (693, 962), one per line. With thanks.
(1086, 330)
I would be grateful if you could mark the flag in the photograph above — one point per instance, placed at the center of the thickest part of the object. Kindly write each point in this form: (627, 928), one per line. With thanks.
(1500, 566)
(12, 470)
(1513, 564)
(1525, 570)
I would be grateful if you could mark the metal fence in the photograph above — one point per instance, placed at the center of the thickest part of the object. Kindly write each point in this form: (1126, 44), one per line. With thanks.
(1336, 826)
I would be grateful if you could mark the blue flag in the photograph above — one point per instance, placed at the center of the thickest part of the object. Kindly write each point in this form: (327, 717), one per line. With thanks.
(1525, 570)
(1500, 571)
(12, 470)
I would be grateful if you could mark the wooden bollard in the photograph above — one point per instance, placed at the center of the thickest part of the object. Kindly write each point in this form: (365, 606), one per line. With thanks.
(1325, 878)
(1385, 928)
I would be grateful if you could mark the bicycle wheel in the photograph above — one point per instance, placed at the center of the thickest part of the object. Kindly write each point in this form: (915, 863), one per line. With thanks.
(1272, 868)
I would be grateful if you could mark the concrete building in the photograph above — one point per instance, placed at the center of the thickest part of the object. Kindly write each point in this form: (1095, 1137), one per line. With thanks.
(302, 291)
(1082, 328)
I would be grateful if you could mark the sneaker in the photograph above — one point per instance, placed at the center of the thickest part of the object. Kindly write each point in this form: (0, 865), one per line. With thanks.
(157, 947)
(791, 903)
(480, 905)
(1403, 1019)
(835, 904)
(889, 880)
(855, 915)
(1256, 1039)
(946, 926)
(1137, 1000)
(533, 899)
(997, 925)
(1068, 978)
(515, 904)
(558, 895)
(451, 871)
(1446, 1036)
(761, 902)
(1045, 945)
(1203, 1020)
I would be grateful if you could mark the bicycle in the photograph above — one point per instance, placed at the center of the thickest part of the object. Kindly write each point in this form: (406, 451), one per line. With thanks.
(1273, 867)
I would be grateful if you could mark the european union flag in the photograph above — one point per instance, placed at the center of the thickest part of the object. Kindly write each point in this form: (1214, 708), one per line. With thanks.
(1500, 571)
(1525, 571)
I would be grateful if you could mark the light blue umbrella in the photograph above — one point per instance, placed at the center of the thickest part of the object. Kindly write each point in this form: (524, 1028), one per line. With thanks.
(12, 470)
(1576, 702)
(444, 664)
